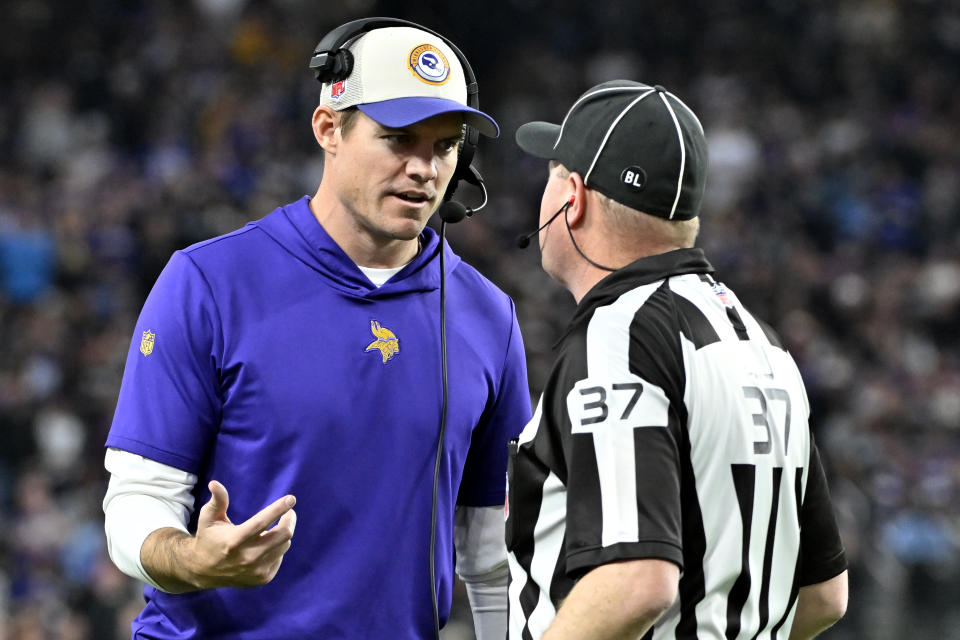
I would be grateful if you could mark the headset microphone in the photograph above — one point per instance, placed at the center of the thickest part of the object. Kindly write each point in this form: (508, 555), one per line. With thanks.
(452, 211)
(523, 240)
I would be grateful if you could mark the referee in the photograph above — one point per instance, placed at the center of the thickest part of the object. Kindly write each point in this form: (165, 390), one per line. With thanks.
(668, 485)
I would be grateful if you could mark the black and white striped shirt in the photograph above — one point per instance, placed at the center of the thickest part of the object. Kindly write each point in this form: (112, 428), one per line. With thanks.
(673, 425)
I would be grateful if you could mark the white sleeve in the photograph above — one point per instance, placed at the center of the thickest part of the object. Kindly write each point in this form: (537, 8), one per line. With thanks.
(478, 538)
(143, 496)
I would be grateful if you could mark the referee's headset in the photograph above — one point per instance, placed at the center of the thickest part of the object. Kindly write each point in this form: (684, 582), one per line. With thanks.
(332, 63)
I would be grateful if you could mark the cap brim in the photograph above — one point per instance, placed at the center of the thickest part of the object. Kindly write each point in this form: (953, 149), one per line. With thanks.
(402, 112)
(538, 139)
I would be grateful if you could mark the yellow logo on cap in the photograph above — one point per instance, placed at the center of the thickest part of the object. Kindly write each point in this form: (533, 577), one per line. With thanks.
(147, 342)
(429, 64)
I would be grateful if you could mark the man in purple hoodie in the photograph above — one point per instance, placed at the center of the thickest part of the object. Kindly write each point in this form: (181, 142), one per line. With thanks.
(303, 359)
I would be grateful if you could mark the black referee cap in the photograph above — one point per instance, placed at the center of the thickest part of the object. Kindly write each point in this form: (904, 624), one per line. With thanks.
(637, 144)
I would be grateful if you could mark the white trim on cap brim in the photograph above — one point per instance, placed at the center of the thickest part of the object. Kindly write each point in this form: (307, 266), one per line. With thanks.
(610, 129)
(591, 95)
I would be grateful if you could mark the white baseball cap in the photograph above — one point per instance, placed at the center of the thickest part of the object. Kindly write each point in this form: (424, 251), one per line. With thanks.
(403, 75)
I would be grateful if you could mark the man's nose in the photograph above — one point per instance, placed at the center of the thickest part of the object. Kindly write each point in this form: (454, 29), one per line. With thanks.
(422, 167)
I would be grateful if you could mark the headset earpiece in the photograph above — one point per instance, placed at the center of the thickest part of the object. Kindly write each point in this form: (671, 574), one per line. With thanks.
(464, 169)
(332, 67)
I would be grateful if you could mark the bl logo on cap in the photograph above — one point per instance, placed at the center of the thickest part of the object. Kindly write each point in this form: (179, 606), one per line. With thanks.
(634, 177)
(429, 64)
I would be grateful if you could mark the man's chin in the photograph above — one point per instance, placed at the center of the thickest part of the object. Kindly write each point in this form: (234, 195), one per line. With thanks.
(408, 227)
(407, 230)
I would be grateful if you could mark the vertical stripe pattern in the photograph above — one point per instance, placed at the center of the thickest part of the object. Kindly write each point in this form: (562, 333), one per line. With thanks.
(671, 426)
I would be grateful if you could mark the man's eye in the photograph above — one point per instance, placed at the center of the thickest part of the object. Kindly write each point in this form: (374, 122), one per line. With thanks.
(397, 138)
(448, 145)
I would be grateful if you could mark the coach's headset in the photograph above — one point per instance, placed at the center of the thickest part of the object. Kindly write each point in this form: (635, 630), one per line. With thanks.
(332, 63)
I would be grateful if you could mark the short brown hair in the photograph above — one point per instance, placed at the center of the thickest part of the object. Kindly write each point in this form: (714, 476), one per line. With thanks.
(348, 118)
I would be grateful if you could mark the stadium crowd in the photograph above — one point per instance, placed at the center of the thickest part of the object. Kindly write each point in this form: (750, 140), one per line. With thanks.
(131, 129)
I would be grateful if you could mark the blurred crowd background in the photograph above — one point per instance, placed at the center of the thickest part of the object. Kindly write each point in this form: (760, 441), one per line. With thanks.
(131, 129)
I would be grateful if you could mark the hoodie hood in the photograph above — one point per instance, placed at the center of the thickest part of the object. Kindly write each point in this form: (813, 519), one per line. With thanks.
(296, 230)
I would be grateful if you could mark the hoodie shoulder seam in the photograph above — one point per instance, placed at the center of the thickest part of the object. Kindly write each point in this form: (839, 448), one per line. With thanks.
(212, 241)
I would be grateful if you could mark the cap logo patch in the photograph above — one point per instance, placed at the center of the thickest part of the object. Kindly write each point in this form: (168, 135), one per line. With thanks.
(337, 89)
(429, 64)
(634, 177)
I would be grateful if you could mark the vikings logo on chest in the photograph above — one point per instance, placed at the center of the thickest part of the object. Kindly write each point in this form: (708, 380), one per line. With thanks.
(386, 342)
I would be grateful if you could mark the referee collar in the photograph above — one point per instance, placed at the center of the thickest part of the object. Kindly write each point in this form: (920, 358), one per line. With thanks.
(638, 273)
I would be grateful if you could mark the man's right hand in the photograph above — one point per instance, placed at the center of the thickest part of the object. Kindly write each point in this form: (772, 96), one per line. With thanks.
(221, 554)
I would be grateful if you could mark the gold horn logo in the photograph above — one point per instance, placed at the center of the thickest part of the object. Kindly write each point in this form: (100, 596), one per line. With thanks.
(147, 341)
(386, 342)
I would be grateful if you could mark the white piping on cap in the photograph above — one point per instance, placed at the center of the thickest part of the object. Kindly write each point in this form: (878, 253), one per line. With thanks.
(688, 110)
(610, 129)
(683, 154)
(591, 95)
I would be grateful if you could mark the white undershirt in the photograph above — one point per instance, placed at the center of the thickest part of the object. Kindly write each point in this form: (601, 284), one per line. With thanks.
(145, 495)
(379, 276)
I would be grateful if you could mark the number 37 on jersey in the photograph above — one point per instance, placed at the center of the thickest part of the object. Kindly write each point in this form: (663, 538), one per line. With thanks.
(614, 409)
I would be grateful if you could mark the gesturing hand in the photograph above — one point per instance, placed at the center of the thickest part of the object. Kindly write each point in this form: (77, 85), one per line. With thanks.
(223, 554)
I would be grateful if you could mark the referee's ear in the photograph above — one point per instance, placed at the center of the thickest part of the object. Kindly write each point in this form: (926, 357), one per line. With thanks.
(578, 203)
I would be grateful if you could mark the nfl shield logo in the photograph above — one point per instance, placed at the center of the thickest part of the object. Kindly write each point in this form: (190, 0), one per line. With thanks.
(336, 90)
(146, 342)
(721, 292)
